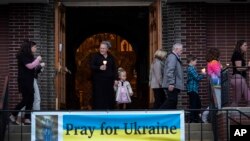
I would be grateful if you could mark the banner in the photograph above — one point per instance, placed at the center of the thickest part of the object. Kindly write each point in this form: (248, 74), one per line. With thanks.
(110, 126)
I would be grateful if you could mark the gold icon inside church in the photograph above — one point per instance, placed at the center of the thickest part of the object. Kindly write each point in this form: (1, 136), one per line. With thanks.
(123, 53)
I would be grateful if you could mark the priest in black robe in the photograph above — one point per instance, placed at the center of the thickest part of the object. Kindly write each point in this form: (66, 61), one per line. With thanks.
(104, 73)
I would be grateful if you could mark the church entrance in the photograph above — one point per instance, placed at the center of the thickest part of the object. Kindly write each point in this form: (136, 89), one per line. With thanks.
(123, 53)
(128, 28)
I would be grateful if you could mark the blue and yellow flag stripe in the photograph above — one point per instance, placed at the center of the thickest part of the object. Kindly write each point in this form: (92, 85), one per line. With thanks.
(120, 120)
(112, 126)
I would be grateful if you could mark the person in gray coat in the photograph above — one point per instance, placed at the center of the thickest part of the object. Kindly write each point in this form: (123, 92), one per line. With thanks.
(173, 81)
(156, 76)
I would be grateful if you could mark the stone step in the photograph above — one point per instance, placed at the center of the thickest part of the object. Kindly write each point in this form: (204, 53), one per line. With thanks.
(198, 126)
(18, 137)
(195, 132)
(18, 128)
(196, 135)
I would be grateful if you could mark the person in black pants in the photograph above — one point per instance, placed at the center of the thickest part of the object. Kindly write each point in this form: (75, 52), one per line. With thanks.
(104, 72)
(193, 79)
(156, 76)
(173, 80)
(26, 71)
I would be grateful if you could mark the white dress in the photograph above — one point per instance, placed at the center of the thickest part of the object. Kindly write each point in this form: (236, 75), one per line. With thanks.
(123, 92)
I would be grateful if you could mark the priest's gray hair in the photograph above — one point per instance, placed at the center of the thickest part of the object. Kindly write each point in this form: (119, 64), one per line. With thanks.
(107, 43)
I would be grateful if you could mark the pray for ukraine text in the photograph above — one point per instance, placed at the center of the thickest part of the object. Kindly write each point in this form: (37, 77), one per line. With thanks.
(129, 128)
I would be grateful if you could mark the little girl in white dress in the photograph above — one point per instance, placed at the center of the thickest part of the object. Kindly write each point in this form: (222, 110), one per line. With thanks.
(123, 89)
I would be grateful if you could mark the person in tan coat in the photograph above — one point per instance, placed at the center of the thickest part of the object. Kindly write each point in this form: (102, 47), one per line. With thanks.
(156, 76)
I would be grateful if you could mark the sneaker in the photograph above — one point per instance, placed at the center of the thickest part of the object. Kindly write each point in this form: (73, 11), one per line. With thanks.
(205, 122)
(12, 118)
(19, 119)
(17, 123)
(27, 122)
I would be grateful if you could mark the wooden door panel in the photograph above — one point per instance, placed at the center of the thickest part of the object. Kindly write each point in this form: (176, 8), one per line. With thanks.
(155, 34)
(60, 55)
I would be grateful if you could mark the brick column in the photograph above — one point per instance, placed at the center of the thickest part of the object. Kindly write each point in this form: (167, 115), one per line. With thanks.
(186, 23)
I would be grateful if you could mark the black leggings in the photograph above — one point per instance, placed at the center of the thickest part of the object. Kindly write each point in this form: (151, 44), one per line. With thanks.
(27, 101)
(159, 96)
(194, 103)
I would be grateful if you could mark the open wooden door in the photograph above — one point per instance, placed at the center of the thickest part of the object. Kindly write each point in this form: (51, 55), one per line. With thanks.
(155, 34)
(60, 83)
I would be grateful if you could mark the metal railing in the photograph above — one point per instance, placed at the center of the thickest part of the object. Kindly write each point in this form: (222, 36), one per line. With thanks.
(225, 85)
(3, 106)
(232, 115)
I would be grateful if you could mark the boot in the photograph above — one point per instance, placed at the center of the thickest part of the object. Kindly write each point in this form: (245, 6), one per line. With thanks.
(12, 118)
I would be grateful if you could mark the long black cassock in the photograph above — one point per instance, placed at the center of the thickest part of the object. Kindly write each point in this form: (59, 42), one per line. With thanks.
(103, 81)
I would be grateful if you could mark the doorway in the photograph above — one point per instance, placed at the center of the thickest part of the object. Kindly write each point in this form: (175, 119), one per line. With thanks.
(122, 51)
(128, 30)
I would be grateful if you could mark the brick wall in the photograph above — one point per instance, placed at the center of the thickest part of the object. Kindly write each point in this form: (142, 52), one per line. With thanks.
(172, 32)
(186, 23)
(225, 25)
(199, 26)
(34, 22)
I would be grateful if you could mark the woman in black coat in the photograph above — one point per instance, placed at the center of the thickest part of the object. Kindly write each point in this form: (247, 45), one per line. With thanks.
(104, 73)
